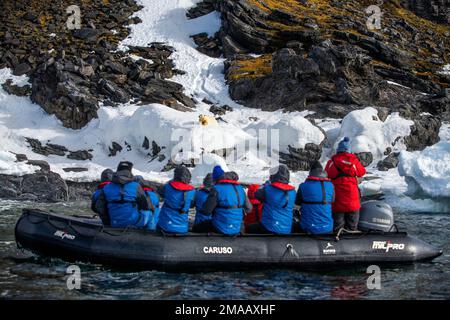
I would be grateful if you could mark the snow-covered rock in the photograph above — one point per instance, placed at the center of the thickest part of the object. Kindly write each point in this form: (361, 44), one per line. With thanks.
(368, 133)
(430, 168)
(8, 165)
(288, 130)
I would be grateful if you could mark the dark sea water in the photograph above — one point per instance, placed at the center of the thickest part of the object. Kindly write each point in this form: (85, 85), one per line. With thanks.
(26, 276)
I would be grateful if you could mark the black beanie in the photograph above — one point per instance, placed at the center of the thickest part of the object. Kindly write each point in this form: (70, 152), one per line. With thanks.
(107, 175)
(316, 166)
(182, 174)
(125, 165)
(317, 170)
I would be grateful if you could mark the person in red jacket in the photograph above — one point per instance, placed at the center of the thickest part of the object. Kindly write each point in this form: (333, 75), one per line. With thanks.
(255, 215)
(344, 169)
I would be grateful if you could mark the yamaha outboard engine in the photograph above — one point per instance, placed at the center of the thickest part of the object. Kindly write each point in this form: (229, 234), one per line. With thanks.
(376, 215)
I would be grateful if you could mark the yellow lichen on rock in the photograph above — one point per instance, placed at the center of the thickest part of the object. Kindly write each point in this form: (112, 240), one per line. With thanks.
(396, 8)
(250, 68)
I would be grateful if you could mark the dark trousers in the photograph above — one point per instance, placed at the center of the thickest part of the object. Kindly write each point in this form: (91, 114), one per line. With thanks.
(204, 227)
(347, 220)
(256, 228)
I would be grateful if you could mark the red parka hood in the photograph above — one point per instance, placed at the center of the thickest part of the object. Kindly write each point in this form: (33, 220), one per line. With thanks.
(346, 162)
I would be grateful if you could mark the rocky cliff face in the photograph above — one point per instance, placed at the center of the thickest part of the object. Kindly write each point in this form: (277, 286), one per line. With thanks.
(436, 10)
(321, 55)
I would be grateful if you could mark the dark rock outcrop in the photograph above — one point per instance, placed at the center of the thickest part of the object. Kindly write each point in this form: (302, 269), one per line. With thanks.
(20, 157)
(58, 150)
(220, 110)
(45, 167)
(424, 133)
(115, 147)
(48, 186)
(81, 191)
(75, 169)
(437, 10)
(301, 159)
(48, 149)
(390, 162)
(80, 155)
(16, 90)
(210, 46)
(146, 143)
(202, 8)
(43, 186)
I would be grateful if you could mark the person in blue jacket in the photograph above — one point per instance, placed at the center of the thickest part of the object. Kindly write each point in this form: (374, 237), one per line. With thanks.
(97, 207)
(200, 197)
(124, 198)
(178, 199)
(315, 197)
(226, 202)
(278, 198)
(151, 216)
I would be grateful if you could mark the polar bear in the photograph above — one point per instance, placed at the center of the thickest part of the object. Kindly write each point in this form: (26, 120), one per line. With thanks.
(207, 120)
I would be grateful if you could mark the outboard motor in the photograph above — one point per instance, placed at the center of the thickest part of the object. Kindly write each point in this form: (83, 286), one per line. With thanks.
(376, 215)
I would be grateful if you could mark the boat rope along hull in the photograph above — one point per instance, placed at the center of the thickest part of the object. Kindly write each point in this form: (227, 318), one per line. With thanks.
(78, 239)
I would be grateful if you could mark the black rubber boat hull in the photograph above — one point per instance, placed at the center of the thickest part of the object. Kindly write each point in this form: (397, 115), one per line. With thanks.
(78, 239)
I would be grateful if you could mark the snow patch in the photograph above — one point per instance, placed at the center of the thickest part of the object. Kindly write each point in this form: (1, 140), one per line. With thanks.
(166, 21)
(445, 70)
(8, 165)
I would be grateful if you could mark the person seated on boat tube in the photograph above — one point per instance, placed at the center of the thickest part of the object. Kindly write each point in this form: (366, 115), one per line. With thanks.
(178, 199)
(278, 199)
(151, 216)
(315, 196)
(124, 198)
(200, 197)
(105, 179)
(255, 215)
(344, 169)
(226, 202)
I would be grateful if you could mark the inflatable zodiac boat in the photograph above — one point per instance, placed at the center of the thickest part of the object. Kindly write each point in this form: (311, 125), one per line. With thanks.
(85, 239)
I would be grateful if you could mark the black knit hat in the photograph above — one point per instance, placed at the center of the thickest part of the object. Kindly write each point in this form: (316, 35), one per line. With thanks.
(316, 166)
(125, 165)
(279, 174)
(317, 170)
(107, 175)
(182, 174)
